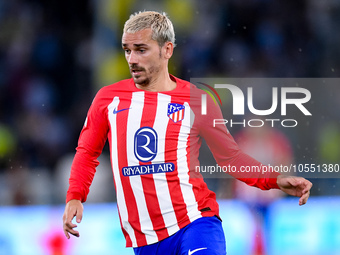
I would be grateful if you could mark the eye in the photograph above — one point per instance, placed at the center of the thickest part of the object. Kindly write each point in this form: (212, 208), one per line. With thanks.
(127, 51)
(142, 50)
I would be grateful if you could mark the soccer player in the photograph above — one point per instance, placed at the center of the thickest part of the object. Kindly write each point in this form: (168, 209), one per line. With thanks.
(154, 127)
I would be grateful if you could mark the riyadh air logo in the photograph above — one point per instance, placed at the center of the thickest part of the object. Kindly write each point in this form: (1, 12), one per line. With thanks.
(145, 144)
(176, 112)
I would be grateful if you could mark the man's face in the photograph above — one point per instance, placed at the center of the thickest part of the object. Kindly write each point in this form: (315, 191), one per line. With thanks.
(143, 56)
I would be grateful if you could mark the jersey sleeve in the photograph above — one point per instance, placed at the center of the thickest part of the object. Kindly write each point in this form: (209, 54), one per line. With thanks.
(90, 145)
(227, 153)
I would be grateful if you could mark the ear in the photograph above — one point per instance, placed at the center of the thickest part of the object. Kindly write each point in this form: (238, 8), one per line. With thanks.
(168, 49)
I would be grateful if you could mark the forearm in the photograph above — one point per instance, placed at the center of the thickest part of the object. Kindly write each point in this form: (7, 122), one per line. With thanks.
(252, 172)
(82, 172)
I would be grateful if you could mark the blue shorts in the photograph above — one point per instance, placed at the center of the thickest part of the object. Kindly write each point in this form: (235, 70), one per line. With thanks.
(204, 236)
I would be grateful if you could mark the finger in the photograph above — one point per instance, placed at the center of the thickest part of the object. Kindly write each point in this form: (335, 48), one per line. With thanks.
(303, 199)
(68, 229)
(64, 226)
(67, 220)
(66, 234)
(308, 186)
(72, 232)
(79, 216)
(70, 225)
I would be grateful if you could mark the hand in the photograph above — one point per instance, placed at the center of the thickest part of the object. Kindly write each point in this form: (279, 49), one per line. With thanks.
(295, 186)
(73, 208)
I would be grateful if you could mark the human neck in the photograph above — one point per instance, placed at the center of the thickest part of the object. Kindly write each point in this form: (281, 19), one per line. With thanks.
(162, 82)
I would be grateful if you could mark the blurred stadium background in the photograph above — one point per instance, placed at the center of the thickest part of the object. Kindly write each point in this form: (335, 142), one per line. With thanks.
(55, 55)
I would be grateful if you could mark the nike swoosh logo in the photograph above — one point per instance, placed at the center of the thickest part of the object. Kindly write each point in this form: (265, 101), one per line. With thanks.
(193, 251)
(115, 111)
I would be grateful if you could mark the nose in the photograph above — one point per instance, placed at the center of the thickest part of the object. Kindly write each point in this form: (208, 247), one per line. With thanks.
(132, 58)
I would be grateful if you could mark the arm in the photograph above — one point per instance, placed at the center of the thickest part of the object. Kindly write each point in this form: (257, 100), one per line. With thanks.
(91, 142)
(227, 153)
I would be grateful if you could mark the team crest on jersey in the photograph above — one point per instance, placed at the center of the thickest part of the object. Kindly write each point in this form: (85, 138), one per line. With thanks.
(176, 112)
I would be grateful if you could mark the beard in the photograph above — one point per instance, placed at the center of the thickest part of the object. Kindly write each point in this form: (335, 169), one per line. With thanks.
(140, 79)
(144, 78)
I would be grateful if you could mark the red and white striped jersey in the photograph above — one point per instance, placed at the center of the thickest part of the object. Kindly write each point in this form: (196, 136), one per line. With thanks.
(154, 140)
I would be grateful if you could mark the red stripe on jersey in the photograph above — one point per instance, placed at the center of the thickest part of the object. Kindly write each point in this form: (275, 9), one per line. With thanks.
(122, 161)
(148, 118)
(171, 142)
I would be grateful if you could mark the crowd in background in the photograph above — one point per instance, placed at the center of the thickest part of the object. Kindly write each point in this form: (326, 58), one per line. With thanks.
(47, 74)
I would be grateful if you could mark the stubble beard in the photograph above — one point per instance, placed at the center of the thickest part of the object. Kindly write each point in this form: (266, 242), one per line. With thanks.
(144, 82)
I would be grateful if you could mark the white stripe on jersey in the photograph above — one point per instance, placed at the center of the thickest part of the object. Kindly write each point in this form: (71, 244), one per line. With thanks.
(182, 167)
(121, 203)
(176, 116)
(180, 114)
(161, 183)
(135, 116)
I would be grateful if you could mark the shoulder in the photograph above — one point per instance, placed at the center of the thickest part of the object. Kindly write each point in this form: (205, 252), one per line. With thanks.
(184, 84)
(106, 94)
(188, 88)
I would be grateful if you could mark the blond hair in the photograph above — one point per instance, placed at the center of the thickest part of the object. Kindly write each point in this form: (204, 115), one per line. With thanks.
(161, 26)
